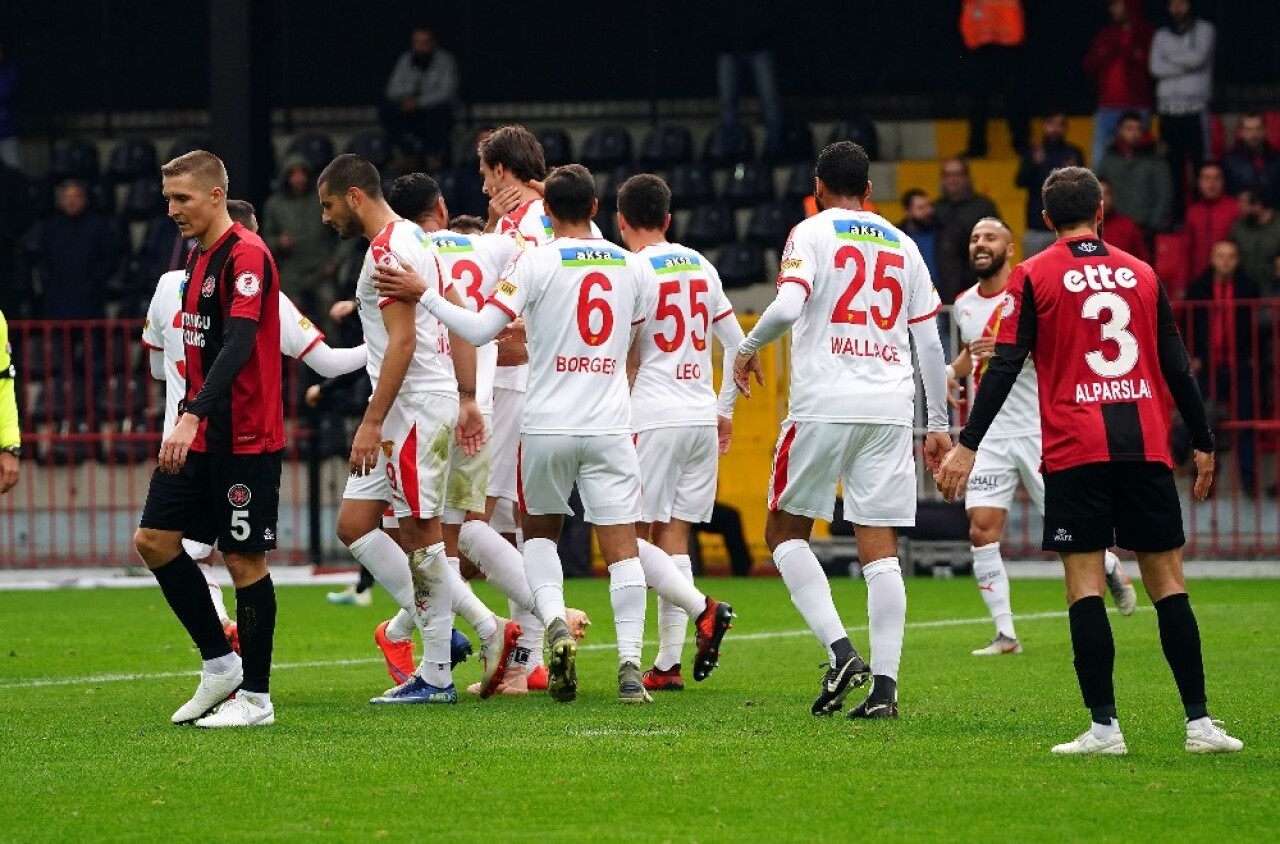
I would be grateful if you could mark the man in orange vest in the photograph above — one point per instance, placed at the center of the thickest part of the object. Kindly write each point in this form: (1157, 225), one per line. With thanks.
(993, 32)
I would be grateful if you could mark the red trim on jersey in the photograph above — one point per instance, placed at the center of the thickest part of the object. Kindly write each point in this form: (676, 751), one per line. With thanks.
(808, 289)
(151, 347)
(492, 301)
(723, 315)
(409, 471)
(930, 315)
(319, 339)
(382, 303)
(520, 477)
(780, 467)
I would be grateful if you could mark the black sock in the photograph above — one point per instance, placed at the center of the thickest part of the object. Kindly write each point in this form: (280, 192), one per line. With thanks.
(365, 583)
(1180, 641)
(185, 589)
(883, 688)
(1095, 656)
(843, 649)
(256, 615)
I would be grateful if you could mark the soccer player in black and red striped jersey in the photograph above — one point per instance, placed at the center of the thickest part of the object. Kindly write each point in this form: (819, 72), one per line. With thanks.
(219, 473)
(1101, 330)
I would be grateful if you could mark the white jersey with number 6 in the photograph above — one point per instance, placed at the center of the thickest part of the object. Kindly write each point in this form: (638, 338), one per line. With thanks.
(851, 348)
(580, 298)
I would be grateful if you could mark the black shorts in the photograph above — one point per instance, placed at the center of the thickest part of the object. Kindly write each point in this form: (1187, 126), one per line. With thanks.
(230, 499)
(1095, 506)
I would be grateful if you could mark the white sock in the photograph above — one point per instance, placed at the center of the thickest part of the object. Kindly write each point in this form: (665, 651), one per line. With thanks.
(215, 592)
(385, 560)
(810, 591)
(529, 645)
(886, 614)
(673, 622)
(662, 576)
(262, 699)
(433, 601)
(501, 563)
(628, 596)
(466, 604)
(1205, 723)
(222, 664)
(1109, 561)
(400, 627)
(546, 579)
(1104, 731)
(993, 584)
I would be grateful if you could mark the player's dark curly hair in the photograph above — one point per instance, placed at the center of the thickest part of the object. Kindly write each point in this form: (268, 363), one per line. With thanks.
(571, 191)
(644, 201)
(1071, 196)
(413, 195)
(351, 171)
(844, 168)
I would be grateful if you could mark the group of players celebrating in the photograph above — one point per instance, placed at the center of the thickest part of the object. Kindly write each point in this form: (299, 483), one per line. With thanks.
(514, 360)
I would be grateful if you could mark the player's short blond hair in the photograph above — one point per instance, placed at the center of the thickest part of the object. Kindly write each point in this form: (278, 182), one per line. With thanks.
(205, 167)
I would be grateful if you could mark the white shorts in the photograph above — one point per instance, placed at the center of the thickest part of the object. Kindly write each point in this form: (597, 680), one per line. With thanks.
(875, 463)
(998, 467)
(419, 432)
(605, 468)
(678, 473)
(468, 476)
(373, 487)
(197, 551)
(504, 442)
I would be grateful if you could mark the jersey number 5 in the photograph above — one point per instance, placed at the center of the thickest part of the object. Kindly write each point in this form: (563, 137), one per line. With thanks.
(669, 308)
(844, 313)
(1114, 330)
(589, 305)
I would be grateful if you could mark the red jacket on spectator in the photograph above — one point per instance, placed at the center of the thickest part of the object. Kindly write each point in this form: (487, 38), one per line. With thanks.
(1123, 233)
(1206, 224)
(1117, 61)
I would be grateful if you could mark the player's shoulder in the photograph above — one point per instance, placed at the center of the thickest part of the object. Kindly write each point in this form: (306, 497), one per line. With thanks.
(407, 233)
(968, 295)
(450, 243)
(170, 281)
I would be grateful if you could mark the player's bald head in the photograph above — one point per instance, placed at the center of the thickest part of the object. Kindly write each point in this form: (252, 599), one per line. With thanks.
(993, 224)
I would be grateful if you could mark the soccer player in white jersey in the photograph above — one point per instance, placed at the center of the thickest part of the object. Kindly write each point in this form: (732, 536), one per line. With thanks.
(400, 451)
(680, 426)
(582, 298)
(857, 297)
(1011, 451)
(162, 335)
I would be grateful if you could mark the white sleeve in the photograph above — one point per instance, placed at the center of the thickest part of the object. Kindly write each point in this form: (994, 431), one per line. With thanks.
(297, 333)
(155, 357)
(329, 362)
(477, 328)
(729, 332)
(933, 372)
(924, 302)
(153, 328)
(776, 319)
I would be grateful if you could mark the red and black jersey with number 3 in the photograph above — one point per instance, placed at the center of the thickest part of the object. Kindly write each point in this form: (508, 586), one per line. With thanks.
(236, 277)
(1091, 315)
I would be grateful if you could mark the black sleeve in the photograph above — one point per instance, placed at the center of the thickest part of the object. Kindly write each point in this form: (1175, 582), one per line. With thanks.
(237, 346)
(1176, 368)
(1002, 371)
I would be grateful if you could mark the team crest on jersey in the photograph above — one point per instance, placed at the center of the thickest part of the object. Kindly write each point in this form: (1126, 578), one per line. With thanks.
(206, 289)
(790, 264)
(1087, 246)
(248, 283)
(305, 324)
(1006, 307)
(239, 496)
(384, 257)
(387, 445)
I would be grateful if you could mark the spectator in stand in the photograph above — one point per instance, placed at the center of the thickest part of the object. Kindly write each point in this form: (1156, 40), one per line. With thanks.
(1038, 162)
(9, 153)
(79, 252)
(1121, 231)
(1182, 63)
(957, 210)
(1117, 61)
(1257, 234)
(1209, 217)
(1252, 162)
(303, 246)
(1222, 347)
(1139, 177)
(742, 32)
(993, 32)
(417, 112)
(922, 224)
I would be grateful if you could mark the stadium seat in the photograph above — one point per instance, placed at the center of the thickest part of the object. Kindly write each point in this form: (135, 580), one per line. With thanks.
(131, 441)
(373, 146)
(133, 158)
(315, 147)
(102, 197)
(143, 200)
(666, 146)
(121, 398)
(605, 148)
(799, 181)
(709, 226)
(728, 145)
(62, 451)
(771, 223)
(690, 186)
(750, 183)
(797, 144)
(556, 146)
(861, 131)
(741, 265)
(189, 143)
(74, 160)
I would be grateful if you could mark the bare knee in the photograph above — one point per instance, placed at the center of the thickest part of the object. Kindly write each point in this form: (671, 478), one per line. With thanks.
(156, 547)
(245, 568)
(985, 526)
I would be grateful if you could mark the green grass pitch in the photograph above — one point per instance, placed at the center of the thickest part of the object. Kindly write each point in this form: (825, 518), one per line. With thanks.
(89, 679)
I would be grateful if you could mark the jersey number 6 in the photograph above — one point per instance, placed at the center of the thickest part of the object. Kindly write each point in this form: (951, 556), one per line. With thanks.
(588, 305)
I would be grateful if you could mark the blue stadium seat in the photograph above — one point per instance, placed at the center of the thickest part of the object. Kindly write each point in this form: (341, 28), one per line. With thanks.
(861, 131)
(750, 183)
(740, 265)
(771, 223)
(797, 144)
(710, 226)
(666, 146)
(102, 197)
(75, 160)
(190, 143)
(799, 181)
(690, 186)
(315, 147)
(727, 145)
(143, 200)
(373, 146)
(605, 148)
(556, 146)
(133, 158)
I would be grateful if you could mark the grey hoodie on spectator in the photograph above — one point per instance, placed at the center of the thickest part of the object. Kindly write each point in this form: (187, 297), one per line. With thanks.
(1182, 63)
(305, 255)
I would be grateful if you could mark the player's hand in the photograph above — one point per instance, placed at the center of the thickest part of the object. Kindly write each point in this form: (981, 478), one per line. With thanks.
(470, 433)
(936, 446)
(313, 395)
(364, 448)
(724, 432)
(8, 472)
(399, 283)
(955, 393)
(743, 367)
(341, 310)
(953, 475)
(982, 348)
(513, 333)
(512, 354)
(173, 451)
(1204, 475)
(540, 187)
(503, 203)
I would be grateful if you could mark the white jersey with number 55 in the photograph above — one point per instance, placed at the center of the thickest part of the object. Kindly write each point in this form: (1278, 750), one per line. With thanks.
(579, 298)
(851, 348)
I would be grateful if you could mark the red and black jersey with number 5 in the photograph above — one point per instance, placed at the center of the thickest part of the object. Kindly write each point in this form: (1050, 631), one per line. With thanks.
(235, 277)
(1091, 315)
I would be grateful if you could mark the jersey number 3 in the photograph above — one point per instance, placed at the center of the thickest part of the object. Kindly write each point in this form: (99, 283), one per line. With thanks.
(588, 305)
(844, 313)
(1113, 330)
